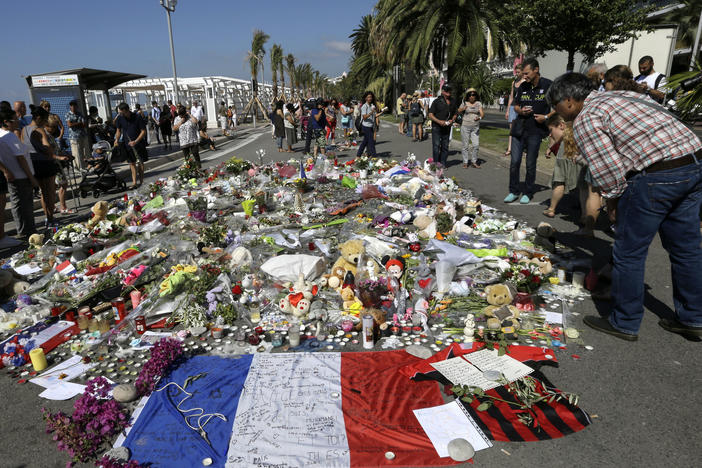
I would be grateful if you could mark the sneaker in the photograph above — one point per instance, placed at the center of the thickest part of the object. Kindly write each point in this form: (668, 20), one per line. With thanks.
(674, 326)
(6, 242)
(510, 198)
(602, 325)
(525, 199)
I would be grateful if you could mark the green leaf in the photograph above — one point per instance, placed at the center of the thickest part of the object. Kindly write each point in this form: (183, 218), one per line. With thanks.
(484, 406)
(467, 399)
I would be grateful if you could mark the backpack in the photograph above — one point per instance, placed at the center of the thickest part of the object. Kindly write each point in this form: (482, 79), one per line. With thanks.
(359, 123)
(415, 110)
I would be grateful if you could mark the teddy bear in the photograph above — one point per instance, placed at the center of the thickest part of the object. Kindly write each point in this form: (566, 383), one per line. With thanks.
(501, 310)
(299, 300)
(351, 252)
(36, 241)
(12, 283)
(334, 279)
(543, 262)
(351, 304)
(99, 211)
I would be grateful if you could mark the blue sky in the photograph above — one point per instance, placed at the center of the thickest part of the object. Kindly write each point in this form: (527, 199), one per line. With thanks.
(211, 36)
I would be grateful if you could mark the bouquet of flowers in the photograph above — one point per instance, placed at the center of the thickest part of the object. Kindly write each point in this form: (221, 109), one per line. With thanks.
(15, 352)
(197, 203)
(301, 184)
(362, 163)
(188, 170)
(525, 276)
(106, 229)
(71, 234)
(236, 166)
(371, 292)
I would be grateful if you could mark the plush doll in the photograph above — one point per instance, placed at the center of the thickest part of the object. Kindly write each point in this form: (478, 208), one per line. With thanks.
(394, 267)
(500, 310)
(299, 300)
(424, 284)
(351, 304)
(99, 211)
(36, 241)
(335, 278)
(351, 251)
(11, 283)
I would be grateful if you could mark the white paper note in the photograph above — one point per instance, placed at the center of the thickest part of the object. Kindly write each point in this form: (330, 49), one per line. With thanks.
(444, 423)
(469, 368)
(460, 372)
(28, 269)
(487, 359)
(70, 368)
(62, 391)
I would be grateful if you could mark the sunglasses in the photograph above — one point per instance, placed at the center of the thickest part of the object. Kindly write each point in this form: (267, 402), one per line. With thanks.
(472, 94)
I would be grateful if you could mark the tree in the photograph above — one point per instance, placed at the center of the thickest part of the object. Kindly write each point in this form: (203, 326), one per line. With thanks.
(276, 64)
(590, 27)
(687, 19)
(368, 65)
(290, 67)
(439, 33)
(255, 55)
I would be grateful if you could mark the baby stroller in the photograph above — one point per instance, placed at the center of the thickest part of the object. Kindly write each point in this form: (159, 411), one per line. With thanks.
(99, 177)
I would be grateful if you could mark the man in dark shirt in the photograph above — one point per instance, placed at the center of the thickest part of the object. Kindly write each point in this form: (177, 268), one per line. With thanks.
(442, 114)
(532, 110)
(131, 129)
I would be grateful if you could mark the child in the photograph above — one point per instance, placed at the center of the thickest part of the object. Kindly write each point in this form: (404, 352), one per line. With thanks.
(97, 158)
(566, 172)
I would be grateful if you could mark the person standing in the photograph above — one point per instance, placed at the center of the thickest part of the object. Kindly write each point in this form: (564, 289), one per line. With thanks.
(222, 113)
(278, 120)
(510, 114)
(165, 126)
(532, 110)
(442, 114)
(189, 130)
(77, 134)
(20, 175)
(649, 170)
(330, 114)
(58, 130)
(315, 128)
(416, 115)
(154, 119)
(400, 109)
(473, 113)
(368, 112)
(22, 118)
(132, 127)
(290, 124)
(198, 112)
(51, 127)
(346, 111)
(653, 82)
(501, 101)
(142, 114)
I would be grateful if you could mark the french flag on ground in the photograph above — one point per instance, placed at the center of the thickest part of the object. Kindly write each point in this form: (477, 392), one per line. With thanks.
(283, 410)
(66, 268)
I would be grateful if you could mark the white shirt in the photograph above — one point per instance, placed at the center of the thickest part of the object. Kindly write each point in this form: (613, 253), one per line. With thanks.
(188, 134)
(650, 80)
(197, 112)
(10, 148)
(155, 113)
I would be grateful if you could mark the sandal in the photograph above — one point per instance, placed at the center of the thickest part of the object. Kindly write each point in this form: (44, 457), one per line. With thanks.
(475, 166)
(549, 213)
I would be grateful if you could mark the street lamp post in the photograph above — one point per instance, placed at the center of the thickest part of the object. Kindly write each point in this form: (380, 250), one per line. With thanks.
(170, 5)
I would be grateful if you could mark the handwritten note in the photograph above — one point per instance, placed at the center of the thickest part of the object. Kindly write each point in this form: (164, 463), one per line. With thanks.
(444, 423)
(65, 371)
(470, 369)
(290, 413)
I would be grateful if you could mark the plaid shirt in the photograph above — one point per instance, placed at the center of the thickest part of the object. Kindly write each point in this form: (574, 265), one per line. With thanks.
(615, 136)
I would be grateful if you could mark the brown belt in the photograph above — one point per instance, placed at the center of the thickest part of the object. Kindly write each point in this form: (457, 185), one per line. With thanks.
(670, 164)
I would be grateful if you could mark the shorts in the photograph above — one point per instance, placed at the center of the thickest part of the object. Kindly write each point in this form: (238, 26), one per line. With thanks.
(512, 114)
(346, 123)
(405, 117)
(3, 184)
(418, 120)
(132, 153)
(44, 169)
(319, 138)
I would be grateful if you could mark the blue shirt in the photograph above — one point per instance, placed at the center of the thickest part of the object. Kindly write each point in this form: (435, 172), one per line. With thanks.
(74, 133)
(317, 125)
(24, 121)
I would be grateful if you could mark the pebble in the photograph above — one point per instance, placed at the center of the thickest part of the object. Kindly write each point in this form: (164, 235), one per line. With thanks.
(124, 393)
(119, 453)
(389, 455)
(206, 461)
(419, 351)
(460, 450)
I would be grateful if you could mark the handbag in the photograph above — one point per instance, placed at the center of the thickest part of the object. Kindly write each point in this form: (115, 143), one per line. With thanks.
(517, 129)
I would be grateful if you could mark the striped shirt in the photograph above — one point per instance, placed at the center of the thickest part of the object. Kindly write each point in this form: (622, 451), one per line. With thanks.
(615, 135)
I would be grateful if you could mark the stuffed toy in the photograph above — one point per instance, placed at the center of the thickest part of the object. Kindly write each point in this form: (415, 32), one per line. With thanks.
(543, 262)
(36, 241)
(394, 267)
(99, 211)
(501, 310)
(425, 281)
(351, 252)
(545, 237)
(351, 304)
(12, 283)
(334, 279)
(299, 300)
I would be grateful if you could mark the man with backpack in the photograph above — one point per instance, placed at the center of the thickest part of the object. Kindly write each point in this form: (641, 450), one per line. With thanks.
(653, 82)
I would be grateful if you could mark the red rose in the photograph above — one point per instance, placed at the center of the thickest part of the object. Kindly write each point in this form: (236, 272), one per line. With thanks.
(236, 289)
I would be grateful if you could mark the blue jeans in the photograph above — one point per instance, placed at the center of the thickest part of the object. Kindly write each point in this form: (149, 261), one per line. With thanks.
(368, 142)
(532, 143)
(440, 144)
(667, 203)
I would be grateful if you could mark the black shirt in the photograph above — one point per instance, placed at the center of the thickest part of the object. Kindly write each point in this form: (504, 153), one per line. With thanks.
(534, 96)
(130, 126)
(443, 111)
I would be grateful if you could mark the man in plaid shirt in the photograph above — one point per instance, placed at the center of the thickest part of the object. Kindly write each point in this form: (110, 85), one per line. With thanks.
(648, 167)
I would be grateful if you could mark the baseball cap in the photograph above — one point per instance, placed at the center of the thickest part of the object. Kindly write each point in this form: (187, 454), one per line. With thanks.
(447, 87)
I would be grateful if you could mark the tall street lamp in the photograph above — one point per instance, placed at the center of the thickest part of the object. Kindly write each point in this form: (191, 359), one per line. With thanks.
(170, 5)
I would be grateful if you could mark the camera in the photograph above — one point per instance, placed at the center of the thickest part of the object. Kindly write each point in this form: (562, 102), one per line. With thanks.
(690, 83)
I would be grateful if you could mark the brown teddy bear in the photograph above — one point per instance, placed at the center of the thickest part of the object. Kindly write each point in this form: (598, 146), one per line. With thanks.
(500, 298)
(335, 278)
(351, 252)
(12, 283)
(99, 210)
(351, 304)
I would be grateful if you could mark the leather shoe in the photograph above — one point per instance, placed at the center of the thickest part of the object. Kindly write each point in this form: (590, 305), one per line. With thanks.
(602, 325)
(674, 326)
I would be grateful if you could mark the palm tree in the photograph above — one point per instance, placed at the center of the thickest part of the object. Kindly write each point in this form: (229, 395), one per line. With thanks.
(276, 64)
(290, 66)
(687, 19)
(255, 55)
(437, 33)
(369, 65)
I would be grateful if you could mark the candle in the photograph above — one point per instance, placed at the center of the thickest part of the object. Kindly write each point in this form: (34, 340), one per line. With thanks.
(38, 359)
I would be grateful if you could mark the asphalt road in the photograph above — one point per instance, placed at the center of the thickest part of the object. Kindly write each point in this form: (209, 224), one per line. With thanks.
(643, 396)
